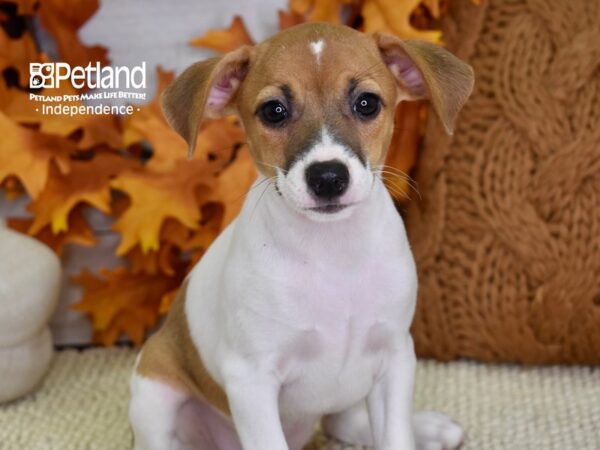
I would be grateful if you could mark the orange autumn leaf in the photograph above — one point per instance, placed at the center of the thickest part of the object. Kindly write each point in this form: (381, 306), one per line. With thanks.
(434, 7)
(392, 16)
(211, 224)
(87, 182)
(300, 6)
(12, 188)
(234, 183)
(62, 19)
(218, 141)
(288, 19)
(17, 54)
(26, 7)
(131, 322)
(173, 239)
(167, 300)
(78, 232)
(121, 302)
(225, 40)
(156, 197)
(26, 154)
(321, 10)
(154, 261)
(149, 125)
(93, 129)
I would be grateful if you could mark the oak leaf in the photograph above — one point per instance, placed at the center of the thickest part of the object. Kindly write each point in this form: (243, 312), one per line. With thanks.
(392, 16)
(86, 130)
(26, 7)
(173, 237)
(434, 7)
(233, 184)
(157, 196)
(78, 232)
(321, 10)
(63, 19)
(27, 154)
(12, 188)
(211, 225)
(225, 40)
(17, 54)
(87, 182)
(122, 302)
(288, 19)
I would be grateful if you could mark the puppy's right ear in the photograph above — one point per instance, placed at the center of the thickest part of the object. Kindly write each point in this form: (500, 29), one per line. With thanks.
(425, 70)
(204, 90)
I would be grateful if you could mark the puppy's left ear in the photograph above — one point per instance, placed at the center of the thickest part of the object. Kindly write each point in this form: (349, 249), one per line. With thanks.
(425, 70)
(205, 90)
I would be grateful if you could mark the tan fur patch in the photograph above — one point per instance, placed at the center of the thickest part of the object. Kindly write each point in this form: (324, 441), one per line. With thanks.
(316, 95)
(171, 356)
(319, 92)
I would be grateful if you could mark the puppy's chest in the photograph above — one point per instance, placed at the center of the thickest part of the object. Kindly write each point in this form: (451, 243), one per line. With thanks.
(329, 366)
(333, 332)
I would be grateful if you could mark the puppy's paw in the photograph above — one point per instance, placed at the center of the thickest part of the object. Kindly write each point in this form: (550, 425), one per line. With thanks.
(436, 431)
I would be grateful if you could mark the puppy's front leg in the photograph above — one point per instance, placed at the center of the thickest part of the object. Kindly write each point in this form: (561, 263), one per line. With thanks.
(253, 401)
(390, 402)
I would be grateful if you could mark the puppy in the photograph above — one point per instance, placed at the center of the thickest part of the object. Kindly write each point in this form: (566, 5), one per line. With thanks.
(301, 308)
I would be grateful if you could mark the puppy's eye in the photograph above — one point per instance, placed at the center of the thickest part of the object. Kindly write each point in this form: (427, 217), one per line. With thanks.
(272, 113)
(367, 106)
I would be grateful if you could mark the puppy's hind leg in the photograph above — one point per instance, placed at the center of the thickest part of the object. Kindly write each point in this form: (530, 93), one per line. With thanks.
(432, 430)
(153, 414)
(164, 418)
(202, 427)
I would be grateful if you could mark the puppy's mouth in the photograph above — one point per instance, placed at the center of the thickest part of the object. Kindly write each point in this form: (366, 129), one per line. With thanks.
(331, 208)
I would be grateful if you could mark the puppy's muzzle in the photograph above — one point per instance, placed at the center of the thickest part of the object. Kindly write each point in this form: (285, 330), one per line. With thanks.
(327, 180)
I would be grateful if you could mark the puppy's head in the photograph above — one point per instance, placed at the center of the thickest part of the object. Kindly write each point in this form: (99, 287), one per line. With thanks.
(317, 102)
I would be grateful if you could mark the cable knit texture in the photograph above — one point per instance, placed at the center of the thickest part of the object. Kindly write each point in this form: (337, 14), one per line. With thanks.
(507, 233)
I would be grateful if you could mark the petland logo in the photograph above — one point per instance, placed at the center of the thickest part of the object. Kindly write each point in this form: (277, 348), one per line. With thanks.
(50, 75)
(107, 82)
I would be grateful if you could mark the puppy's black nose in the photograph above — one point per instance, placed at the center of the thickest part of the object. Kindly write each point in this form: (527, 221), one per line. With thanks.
(328, 179)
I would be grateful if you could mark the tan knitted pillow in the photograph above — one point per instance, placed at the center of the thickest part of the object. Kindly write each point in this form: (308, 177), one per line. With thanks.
(507, 234)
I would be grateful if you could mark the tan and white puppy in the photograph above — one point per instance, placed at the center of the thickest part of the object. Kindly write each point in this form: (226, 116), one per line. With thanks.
(301, 308)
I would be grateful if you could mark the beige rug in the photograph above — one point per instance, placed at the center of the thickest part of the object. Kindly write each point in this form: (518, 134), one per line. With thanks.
(82, 405)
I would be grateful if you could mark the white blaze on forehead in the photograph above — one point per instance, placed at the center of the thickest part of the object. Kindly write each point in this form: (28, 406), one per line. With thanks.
(317, 48)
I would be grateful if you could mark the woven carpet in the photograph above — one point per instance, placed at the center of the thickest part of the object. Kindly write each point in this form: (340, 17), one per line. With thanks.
(82, 405)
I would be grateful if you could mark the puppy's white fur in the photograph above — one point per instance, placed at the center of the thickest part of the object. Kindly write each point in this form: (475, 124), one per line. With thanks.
(292, 184)
(283, 313)
(301, 308)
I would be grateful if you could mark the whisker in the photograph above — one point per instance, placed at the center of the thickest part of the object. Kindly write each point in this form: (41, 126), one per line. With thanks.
(393, 171)
(261, 196)
(260, 183)
(403, 177)
(262, 163)
(395, 189)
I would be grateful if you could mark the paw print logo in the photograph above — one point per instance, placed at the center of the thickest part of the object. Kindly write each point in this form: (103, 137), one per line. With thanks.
(41, 75)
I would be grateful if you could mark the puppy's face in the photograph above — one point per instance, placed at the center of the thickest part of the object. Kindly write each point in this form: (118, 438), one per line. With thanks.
(317, 103)
(318, 111)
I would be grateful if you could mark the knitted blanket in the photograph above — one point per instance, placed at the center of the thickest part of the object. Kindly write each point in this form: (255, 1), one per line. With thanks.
(507, 234)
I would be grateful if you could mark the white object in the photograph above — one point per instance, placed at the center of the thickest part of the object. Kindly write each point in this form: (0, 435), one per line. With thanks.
(30, 278)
